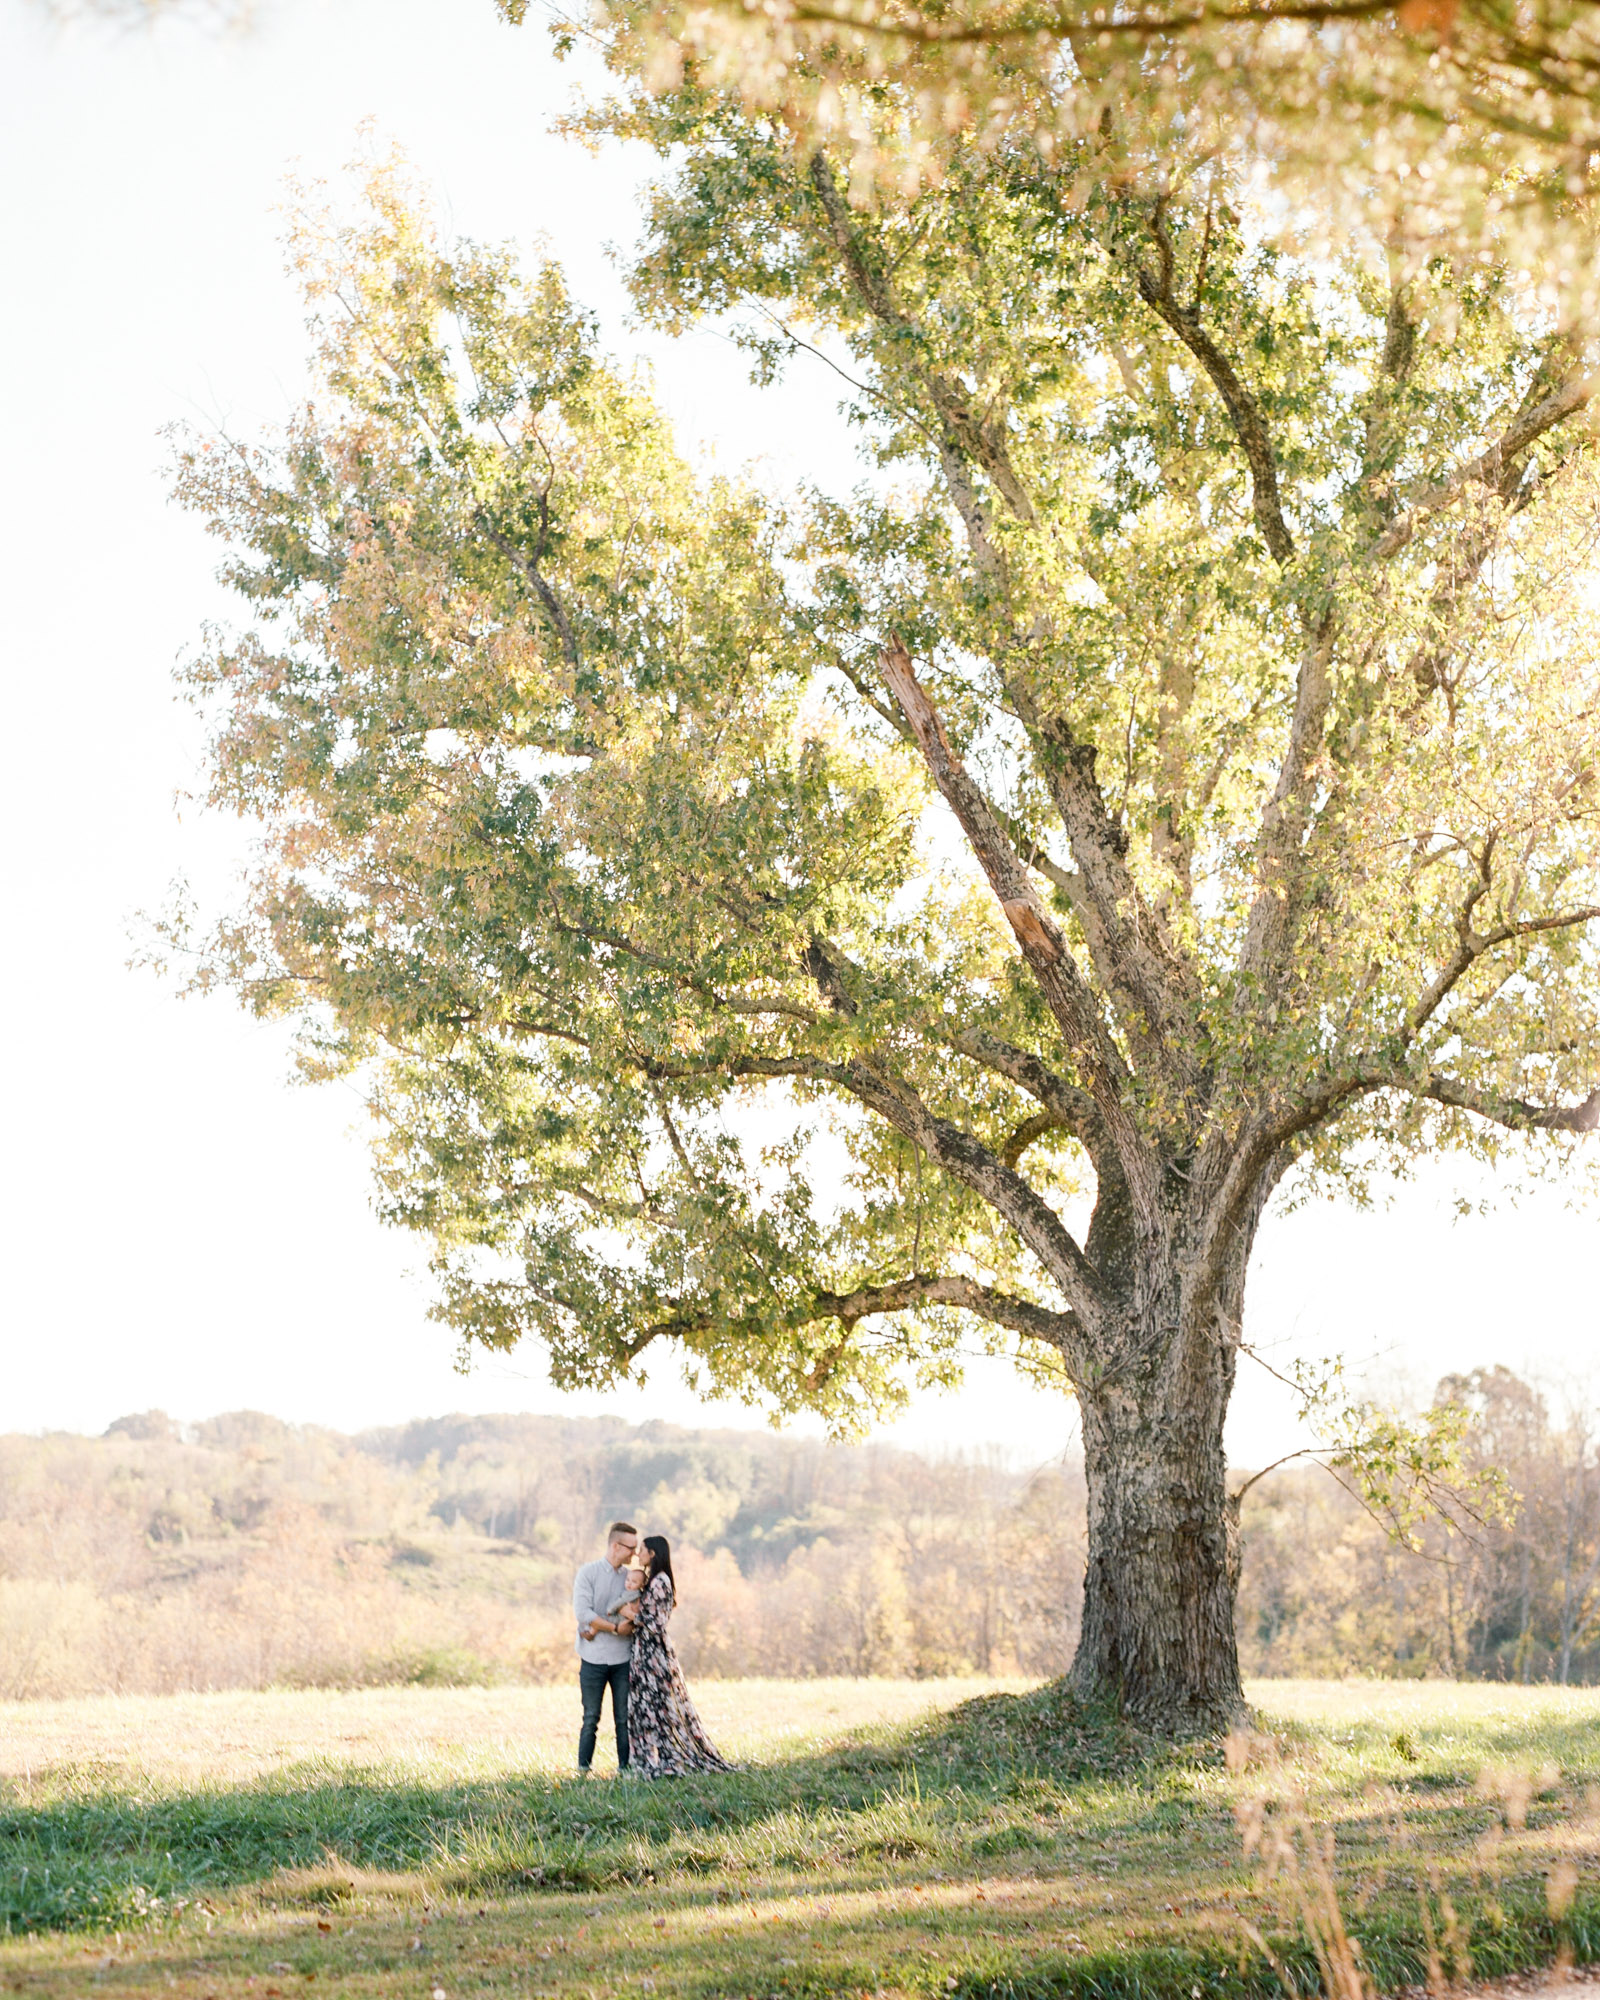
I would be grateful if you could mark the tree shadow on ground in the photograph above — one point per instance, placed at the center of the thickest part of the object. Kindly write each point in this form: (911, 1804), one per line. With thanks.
(1032, 1783)
(983, 1780)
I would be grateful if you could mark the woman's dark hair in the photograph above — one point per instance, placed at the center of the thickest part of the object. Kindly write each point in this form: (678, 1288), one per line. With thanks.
(660, 1563)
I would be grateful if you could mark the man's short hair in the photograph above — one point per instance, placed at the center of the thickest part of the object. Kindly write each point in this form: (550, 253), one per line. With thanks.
(620, 1528)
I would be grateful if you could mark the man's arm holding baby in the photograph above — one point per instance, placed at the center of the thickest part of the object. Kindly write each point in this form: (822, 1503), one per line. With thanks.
(583, 1604)
(625, 1614)
(619, 1619)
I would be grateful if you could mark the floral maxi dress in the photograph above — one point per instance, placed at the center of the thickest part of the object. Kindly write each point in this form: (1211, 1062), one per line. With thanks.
(666, 1738)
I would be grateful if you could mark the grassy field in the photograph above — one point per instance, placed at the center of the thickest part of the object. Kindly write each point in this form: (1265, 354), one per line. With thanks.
(888, 1838)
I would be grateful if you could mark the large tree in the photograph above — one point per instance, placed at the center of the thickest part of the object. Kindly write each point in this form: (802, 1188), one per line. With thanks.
(768, 932)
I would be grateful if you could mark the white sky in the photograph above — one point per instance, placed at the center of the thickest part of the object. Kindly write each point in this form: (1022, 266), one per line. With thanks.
(182, 1228)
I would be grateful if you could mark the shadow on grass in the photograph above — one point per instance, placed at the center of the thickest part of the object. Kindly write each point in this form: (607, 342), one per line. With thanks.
(1023, 1785)
(987, 1780)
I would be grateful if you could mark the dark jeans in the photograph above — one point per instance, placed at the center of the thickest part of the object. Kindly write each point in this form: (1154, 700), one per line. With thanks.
(593, 1680)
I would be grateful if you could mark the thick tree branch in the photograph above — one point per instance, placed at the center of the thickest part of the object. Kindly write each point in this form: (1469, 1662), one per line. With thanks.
(677, 1326)
(1116, 920)
(1280, 867)
(903, 24)
(825, 968)
(875, 701)
(662, 1069)
(1128, 940)
(1060, 1330)
(1066, 991)
(613, 1210)
(1068, 881)
(1491, 465)
(1469, 947)
(1066, 1104)
(554, 608)
(1262, 1146)
(1068, 768)
(1473, 945)
(1514, 1112)
(982, 440)
(1158, 289)
(523, 1024)
(965, 1158)
(968, 1161)
(1025, 1134)
(741, 1003)
(1071, 883)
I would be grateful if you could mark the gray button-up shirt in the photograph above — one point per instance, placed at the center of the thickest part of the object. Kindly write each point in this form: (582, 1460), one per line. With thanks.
(600, 1590)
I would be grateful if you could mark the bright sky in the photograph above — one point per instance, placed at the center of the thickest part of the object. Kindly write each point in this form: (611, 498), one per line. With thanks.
(183, 1227)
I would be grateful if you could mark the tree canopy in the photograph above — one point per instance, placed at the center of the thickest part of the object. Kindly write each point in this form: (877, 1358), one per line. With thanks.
(764, 929)
(1469, 125)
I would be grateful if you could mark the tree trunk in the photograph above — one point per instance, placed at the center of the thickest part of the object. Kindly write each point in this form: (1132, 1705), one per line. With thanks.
(1158, 1633)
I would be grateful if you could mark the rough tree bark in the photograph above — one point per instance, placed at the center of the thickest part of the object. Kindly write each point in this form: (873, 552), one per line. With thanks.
(1157, 1637)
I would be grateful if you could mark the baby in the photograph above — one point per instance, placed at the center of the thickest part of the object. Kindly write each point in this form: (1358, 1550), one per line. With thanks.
(620, 1619)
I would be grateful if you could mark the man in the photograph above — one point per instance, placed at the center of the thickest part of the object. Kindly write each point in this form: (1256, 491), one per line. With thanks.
(600, 1597)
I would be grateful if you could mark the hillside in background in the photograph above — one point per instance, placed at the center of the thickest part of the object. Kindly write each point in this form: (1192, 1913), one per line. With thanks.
(244, 1552)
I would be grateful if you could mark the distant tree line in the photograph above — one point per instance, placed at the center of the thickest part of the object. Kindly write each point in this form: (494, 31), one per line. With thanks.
(243, 1551)
(247, 1552)
(1325, 1591)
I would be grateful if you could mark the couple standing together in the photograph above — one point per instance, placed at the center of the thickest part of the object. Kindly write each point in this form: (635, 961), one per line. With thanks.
(622, 1603)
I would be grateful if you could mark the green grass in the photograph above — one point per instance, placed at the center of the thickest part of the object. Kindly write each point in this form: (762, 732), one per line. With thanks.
(1012, 1845)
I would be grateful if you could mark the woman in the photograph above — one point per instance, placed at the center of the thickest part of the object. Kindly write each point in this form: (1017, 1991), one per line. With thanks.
(666, 1738)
